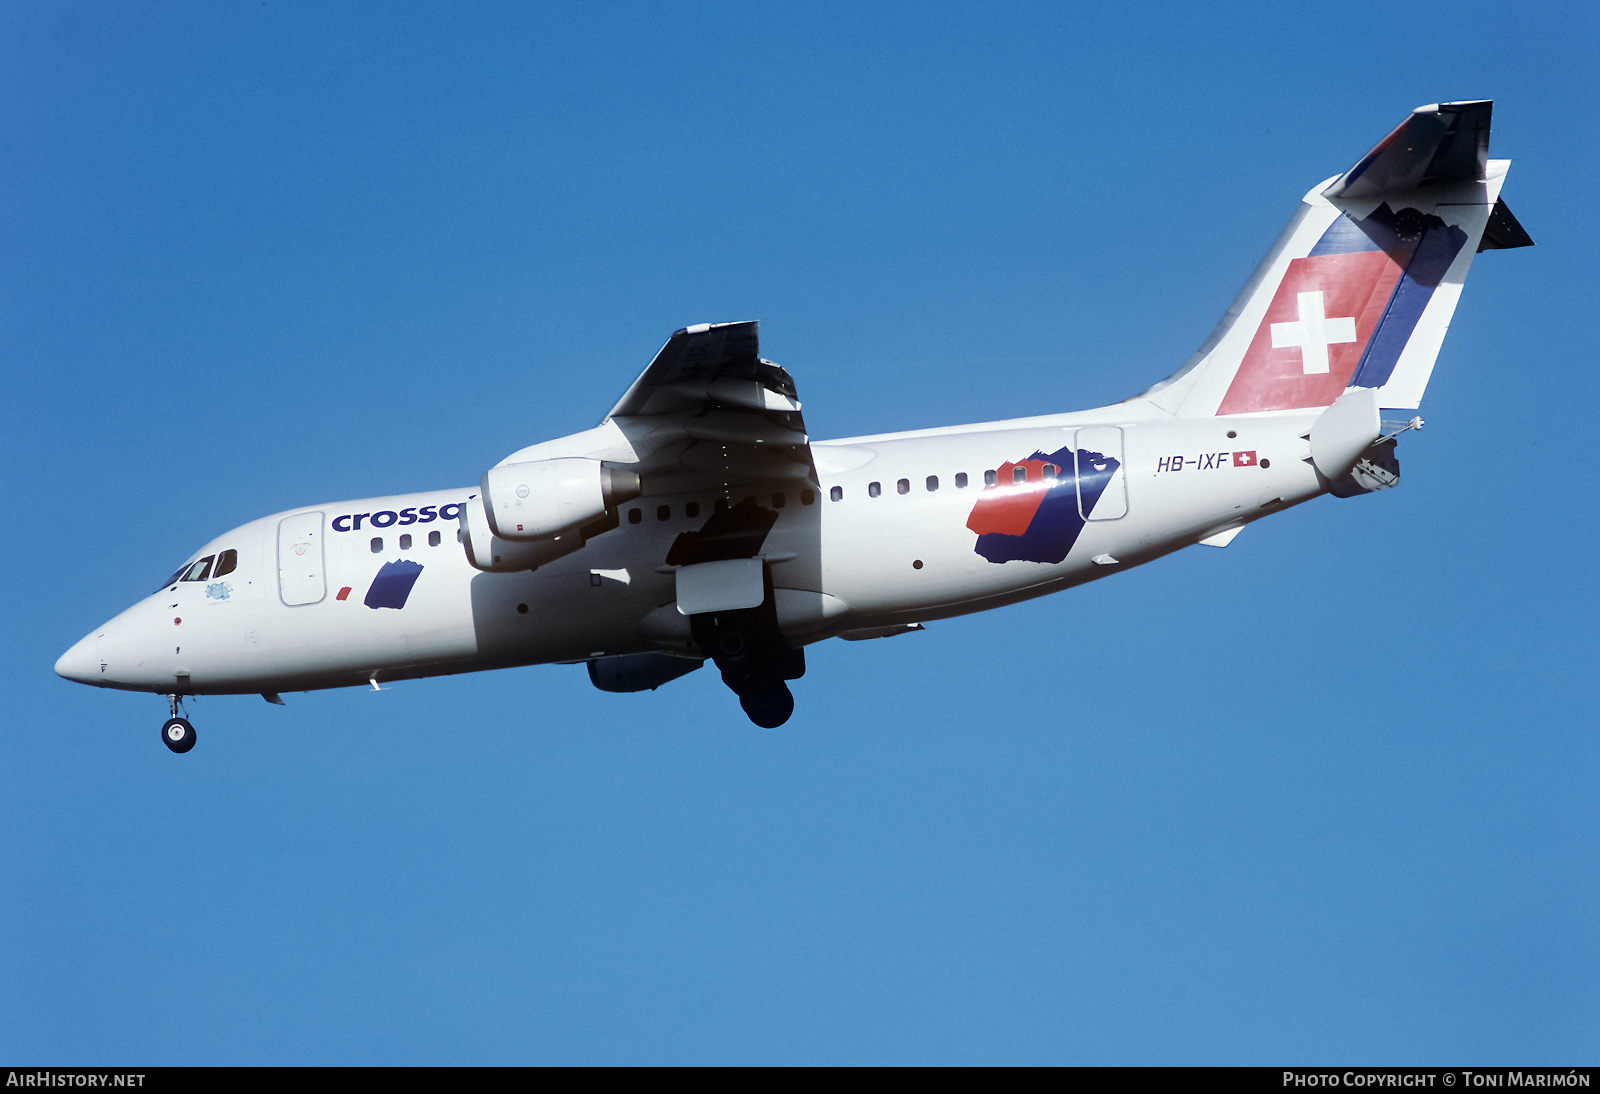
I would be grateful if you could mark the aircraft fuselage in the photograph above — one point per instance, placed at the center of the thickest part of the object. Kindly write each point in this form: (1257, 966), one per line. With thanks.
(899, 552)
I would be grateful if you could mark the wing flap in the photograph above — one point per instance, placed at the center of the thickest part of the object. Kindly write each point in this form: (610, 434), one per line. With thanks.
(751, 429)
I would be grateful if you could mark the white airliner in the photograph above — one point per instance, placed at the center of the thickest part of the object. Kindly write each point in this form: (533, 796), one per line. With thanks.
(699, 520)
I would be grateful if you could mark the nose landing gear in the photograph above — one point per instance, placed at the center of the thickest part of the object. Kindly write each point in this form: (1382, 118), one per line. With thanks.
(176, 733)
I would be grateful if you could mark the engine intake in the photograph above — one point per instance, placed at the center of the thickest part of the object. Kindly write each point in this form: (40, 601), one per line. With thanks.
(544, 498)
(490, 553)
(531, 513)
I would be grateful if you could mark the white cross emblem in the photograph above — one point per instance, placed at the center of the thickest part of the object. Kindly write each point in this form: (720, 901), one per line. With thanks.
(1313, 333)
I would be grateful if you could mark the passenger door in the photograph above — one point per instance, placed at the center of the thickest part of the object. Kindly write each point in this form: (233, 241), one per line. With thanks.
(300, 578)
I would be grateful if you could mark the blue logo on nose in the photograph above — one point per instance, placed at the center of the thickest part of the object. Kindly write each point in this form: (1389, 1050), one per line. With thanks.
(392, 586)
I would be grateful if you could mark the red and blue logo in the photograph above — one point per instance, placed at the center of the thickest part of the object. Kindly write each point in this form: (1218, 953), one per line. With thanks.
(1036, 508)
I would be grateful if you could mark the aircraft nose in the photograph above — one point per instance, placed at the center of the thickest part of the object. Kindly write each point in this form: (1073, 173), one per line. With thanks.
(81, 663)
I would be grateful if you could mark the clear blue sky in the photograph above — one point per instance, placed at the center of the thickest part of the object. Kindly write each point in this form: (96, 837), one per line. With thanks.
(1327, 795)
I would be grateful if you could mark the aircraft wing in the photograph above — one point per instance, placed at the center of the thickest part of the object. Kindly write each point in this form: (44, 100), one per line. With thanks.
(711, 411)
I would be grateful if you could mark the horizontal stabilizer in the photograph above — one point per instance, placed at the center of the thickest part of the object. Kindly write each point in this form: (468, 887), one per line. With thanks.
(1503, 232)
(1436, 145)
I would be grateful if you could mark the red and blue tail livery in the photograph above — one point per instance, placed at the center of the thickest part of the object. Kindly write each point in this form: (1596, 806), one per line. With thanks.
(1358, 291)
(1343, 314)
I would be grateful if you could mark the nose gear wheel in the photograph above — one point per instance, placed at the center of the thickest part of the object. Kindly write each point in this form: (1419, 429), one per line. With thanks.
(176, 732)
(178, 735)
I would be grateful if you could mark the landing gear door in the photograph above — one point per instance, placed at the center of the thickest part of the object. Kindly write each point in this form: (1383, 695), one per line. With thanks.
(300, 579)
(1102, 482)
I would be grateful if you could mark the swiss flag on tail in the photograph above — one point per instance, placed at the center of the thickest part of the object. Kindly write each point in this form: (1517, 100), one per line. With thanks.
(1342, 315)
(1314, 332)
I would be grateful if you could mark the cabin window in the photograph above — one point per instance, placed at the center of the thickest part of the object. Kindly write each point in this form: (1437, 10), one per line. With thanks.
(836, 494)
(663, 512)
(874, 489)
(961, 480)
(635, 516)
(903, 486)
(1019, 474)
(377, 545)
(779, 501)
(227, 562)
(808, 497)
(200, 570)
(433, 539)
(990, 478)
(691, 510)
(1050, 470)
(405, 543)
(933, 483)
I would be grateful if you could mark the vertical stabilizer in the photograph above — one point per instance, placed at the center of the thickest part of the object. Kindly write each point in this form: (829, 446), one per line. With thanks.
(1359, 289)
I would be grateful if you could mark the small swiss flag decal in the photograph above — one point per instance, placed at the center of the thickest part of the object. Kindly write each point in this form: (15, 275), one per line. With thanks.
(1244, 459)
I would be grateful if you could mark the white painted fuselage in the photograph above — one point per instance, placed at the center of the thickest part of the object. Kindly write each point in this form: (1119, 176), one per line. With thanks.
(900, 554)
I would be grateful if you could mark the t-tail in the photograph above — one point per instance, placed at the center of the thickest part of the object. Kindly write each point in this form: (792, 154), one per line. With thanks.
(1357, 292)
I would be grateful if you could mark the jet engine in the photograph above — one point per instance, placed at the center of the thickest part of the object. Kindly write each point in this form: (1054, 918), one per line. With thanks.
(528, 514)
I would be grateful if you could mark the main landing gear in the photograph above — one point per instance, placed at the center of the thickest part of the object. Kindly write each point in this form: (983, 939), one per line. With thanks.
(756, 663)
(177, 734)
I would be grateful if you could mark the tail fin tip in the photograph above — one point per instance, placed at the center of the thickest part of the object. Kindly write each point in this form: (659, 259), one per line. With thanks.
(1437, 145)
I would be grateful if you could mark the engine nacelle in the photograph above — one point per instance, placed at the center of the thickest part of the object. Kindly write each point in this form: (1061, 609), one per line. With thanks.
(546, 498)
(490, 553)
